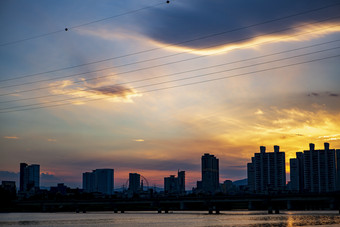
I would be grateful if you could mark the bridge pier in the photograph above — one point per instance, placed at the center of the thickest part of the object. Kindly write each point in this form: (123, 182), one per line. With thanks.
(250, 205)
(289, 205)
(332, 204)
(270, 210)
(210, 210)
(182, 205)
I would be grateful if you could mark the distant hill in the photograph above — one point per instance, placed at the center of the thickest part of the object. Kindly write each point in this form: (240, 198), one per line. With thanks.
(241, 182)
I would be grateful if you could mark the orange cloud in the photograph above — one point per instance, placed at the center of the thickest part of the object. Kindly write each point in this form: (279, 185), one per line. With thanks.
(11, 137)
(138, 140)
(107, 91)
(51, 140)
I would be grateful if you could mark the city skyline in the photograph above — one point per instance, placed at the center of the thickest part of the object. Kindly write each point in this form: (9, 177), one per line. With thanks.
(148, 87)
(102, 179)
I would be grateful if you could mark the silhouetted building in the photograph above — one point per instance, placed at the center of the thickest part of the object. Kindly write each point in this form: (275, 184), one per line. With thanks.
(175, 185)
(337, 155)
(210, 174)
(228, 187)
(251, 176)
(29, 177)
(100, 180)
(88, 182)
(134, 182)
(9, 186)
(61, 188)
(199, 187)
(297, 173)
(319, 169)
(181, 181)
(170, 185)
(267, 172)
(294, 175)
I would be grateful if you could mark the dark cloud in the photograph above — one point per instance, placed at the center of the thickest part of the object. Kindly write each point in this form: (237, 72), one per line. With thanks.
(132, 163)
(233, 172)
(313, 94)
(333, 95)
(324, 94)
(9, 176)
(190, 19)
(237, 167)
(113, 90)
(46, 179)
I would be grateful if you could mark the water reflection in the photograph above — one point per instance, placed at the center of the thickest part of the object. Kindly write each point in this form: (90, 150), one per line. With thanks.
(176, 218)
(292, 219)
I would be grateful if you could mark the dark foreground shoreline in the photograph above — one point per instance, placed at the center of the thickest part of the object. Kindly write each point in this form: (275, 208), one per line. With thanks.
(211, 204)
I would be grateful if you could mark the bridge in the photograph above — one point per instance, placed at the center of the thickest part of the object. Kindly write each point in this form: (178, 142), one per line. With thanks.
(211, 204)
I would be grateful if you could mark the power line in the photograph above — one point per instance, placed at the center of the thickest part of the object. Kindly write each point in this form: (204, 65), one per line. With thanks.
(188, 84)
(193, 77)
(143, 61)
(80, 25)
(174, 44)
(243, 74)
(193, 70)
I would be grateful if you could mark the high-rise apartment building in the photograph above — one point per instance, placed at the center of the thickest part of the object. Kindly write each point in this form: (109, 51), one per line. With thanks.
(337, 156)
(99, 180)
(210, 174)
(134, 182)
(88, 182)
(267, 171)
(297, 173)
(320, 169)
(181, 181)
(251, 175)
(29, 177)
(175, 185)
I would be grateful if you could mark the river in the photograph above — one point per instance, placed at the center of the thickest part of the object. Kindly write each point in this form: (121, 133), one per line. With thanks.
(176, 218)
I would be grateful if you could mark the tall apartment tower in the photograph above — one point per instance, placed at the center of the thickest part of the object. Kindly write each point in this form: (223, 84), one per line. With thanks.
(175, 185)
(251, 175)
(268, 170)
(181, 181)
(99, 180)
(88, 182)
(320, 169)
(337, 155)
(210, 173)
(104, 181)
(29, 177)
(134, 182)
(297, 173)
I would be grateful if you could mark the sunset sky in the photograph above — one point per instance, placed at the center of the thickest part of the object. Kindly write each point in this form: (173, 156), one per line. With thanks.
(149, 87)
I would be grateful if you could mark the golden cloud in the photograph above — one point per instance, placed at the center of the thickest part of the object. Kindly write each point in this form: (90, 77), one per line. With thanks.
(11, 137)
(138, 140)
(307, 32)
(51, 140)
(101, 90)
